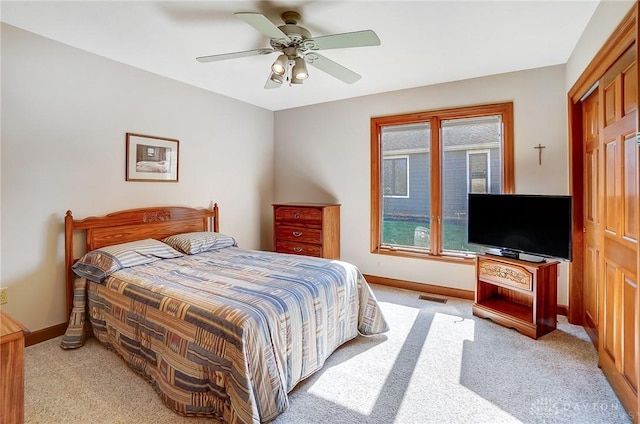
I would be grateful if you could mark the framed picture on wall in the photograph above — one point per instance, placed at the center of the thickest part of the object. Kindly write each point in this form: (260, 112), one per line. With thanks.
(151, 158)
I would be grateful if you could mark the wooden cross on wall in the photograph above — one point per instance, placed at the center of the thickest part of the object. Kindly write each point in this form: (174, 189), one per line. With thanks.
(539, 147)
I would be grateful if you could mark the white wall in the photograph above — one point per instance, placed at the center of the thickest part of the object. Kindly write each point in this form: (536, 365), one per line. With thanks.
(65, 113)
(604, 21)
(322, 153)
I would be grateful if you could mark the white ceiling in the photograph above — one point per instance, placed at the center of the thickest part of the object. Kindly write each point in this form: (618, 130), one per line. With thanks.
(422, 42)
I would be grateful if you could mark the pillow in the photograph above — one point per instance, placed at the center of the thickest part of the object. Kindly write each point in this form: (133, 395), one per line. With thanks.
(198, 242)
(100, 263)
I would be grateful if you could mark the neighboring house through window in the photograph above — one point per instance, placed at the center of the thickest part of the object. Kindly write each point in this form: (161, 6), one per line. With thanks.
(396, 176)
(423, 166)
(478, 171)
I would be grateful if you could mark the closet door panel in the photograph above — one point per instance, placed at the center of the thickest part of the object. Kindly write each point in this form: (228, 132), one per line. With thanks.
(610, 312)
(611, 187)
(619, 305)
(629, 364)
(592, 225)
(630, 218)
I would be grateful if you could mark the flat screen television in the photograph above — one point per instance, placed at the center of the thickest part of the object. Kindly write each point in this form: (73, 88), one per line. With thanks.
(522, 226)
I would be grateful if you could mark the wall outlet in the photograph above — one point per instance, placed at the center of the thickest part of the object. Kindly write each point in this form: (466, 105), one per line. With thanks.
(4, 295)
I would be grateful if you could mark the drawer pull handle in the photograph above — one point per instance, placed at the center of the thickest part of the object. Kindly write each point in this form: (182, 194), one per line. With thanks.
(297, 233)
(297, 249)
(296, 215)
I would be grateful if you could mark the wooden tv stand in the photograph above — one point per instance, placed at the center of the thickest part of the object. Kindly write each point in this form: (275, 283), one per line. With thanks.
(517, 294)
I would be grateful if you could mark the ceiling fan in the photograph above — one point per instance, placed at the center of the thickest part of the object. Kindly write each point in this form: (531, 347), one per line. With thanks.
(296, 48)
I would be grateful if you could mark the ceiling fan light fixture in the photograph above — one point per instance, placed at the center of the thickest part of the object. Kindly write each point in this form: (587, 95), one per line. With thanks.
(300, 69)
(279, 67)
(276, 78)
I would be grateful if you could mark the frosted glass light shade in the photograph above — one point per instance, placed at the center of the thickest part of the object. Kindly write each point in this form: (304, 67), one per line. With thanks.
(300, 69)
(279, 67)
(276, 78)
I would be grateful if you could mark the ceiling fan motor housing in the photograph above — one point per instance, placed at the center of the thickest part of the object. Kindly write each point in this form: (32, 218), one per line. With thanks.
(297, 34)
(290, 17)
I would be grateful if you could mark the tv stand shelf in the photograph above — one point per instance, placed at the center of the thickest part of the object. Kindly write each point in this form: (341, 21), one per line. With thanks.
(510, 309)
(517, 294)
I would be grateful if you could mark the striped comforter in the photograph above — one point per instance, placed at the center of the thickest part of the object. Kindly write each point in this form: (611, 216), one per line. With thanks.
(227, 333)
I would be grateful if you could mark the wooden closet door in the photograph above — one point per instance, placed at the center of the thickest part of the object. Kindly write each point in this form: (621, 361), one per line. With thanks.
(619, 240)
(592, 157)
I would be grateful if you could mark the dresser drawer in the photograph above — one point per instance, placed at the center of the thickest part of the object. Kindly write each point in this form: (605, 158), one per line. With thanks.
(292, 213)
(299, 234)
(299, 248)
(506, 275)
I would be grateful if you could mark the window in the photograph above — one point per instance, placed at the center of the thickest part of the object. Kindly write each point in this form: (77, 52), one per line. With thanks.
(478, 171)
(423, 166)
(396, 176)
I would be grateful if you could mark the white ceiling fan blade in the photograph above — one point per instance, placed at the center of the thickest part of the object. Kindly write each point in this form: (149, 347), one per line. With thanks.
(226, 56)
(340, 41)
(262, 24)
(332, 68)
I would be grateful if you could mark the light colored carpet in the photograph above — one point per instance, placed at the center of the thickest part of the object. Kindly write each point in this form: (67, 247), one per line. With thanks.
(438, 364)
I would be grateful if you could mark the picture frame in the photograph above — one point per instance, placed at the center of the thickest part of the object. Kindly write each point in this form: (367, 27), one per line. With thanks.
(151, 158)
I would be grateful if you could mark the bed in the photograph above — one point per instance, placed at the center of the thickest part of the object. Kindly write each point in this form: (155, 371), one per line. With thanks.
(161, 166)
(217, 330)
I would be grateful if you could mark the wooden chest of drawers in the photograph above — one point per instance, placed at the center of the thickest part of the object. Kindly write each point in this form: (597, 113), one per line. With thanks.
(311, 229)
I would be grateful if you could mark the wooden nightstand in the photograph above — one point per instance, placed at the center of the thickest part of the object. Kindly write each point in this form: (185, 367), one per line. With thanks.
(11, 370)
(517, 294)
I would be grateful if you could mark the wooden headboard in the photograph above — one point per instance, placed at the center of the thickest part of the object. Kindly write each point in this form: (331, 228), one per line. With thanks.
(131, 225)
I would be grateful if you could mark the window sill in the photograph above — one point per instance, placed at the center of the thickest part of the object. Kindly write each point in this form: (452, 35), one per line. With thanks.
(463, 260)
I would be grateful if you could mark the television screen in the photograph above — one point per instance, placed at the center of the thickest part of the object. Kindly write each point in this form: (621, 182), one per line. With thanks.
(538, 225)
